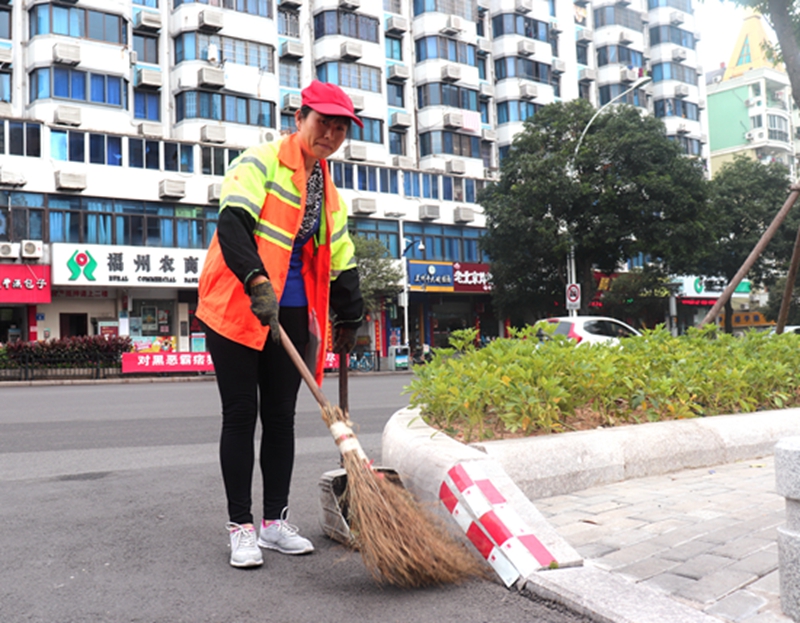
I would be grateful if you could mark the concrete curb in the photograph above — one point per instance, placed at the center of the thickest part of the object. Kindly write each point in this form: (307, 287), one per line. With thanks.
(525, 469)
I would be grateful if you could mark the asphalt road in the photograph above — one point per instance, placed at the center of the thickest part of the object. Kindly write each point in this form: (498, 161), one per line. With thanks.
(112, 510)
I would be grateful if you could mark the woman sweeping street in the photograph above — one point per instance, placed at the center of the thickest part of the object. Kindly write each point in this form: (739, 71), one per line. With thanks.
(281, 255)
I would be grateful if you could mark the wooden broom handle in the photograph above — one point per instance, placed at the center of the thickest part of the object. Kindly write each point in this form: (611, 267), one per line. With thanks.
(301, 366)
(344, 397)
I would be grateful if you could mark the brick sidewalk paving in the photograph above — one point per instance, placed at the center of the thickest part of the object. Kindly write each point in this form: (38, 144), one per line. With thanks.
(707, 537)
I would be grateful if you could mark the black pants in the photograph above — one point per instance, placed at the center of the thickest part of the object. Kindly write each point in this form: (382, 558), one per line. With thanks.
(253, 383)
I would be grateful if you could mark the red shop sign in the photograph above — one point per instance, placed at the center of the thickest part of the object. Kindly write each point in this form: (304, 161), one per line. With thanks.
(470, 277)
(166, 362)
(25, 283)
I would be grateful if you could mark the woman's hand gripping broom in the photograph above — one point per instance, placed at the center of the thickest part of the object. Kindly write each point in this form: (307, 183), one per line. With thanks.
(400, 542)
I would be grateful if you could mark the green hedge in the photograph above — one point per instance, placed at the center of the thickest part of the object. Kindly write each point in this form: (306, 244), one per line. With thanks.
(65, 352)
(522, 384)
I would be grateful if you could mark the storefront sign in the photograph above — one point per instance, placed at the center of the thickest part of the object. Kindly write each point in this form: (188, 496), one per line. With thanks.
(469, 277)
(708, 287)
(102, 265)
(430, 276)
(166, 362)
(25, 283)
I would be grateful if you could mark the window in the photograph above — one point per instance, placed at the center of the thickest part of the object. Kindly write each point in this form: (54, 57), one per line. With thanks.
(68, 145)
(389, 181)
(153, 4)
(610, 54)
(76, 22)
(367, 178)
(372, 132)
(608, 92)
(518, 67)
(262, 8)
(178, 157)
(192, 46)
(744, 53)
(516, 24)
(77, 85)
(342, 174)
(676, 107)
(514, 111)
(24, 139)
(351, 75)
(346, 23)
(384, 230)
(449, 49)
(233, 108)
(622, 16)
(756, 121)
(213, 160)
(5, 23)
(290, 74)
(778, 128)
(445, 94)
(397, 143)
(143, 154)
(447, 243)
(394, 48)
(672, 34)
(146, 48)
(288, 23)
(582, 52)
(674, 71)
(440, 142)
(287, 122)
(146, 105)
(105, 149)
(5, 86)
(683, 5)
(462, 8)
(394, 95)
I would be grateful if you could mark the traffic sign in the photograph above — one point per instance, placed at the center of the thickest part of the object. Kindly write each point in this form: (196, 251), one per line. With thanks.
(574, 296)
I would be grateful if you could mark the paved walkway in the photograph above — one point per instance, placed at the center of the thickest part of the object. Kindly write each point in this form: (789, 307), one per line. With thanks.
(706, 537)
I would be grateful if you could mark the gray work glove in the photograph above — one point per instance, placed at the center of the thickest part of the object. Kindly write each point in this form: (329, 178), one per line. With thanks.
(344, 340)
(264, 305)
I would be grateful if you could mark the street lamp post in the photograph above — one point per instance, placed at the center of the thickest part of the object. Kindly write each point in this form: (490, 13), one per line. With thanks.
(572, 276)
(406, 287)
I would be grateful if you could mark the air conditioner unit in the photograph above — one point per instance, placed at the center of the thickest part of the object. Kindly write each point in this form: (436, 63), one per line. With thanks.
(355, 152)
(628, 75)
(210, 20)
(6, 55)
(400, 120)
(292, 49)
(70, 181)
(488, 134)
(212, 134)
(581, 3)
(32, 249)
(150, 129)
(484, 46)
(683, 129)
(350, 50)
(403, 162)
(559, 66)
(150, 78)
(396, 25)
(750, 136)
(292, 101)
(678, 54)
(211, 77)
(454, 120)
(699, 70)
(267, 136)
(676, 17)
(588, 75)
(175, 189)
(555, 28)
(463, 214)
(133, 57)
(9, 177)
(290, 4)
(362, 205)
(147, 20)
(623, 3)
(645, 17)
(67, 53)
(681, 90)
(701, 103)
(697, 36)
(526, 47)
(453, 25)
(349, 5)
(428, 212)
(523, 6)
(451, 72)
(358, 102)
(212, 53)
(625, 36)
(528, 91)
(456, 166)
(398, 73)
(9, 250)
(486, 91)
(67, 115)
(584, 36)
(214, 192)
(704, 138)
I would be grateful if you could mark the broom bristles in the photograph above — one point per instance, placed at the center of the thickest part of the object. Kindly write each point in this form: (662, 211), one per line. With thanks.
(401, 543)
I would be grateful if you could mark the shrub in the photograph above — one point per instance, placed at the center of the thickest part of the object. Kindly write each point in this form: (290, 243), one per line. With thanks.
(523, 385)
(82, 351)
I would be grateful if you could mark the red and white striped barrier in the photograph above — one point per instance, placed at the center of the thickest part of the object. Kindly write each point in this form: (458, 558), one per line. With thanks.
(502, 537)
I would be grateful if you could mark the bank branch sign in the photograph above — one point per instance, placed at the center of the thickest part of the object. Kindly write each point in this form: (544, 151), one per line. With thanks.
(102, 265)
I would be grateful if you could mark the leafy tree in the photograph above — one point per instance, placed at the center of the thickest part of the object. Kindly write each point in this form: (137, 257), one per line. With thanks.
(629, 191)
(379, 275)
(773, 306)
(638, 295)
(745, 197)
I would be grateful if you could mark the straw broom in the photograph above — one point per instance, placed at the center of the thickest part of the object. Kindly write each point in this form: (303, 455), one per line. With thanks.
(401, 543)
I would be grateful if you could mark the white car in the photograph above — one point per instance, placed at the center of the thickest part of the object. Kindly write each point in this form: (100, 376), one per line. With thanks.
(591, 329)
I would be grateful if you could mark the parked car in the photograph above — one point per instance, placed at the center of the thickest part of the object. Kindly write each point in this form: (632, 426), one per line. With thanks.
(592, 329)
(789, 328)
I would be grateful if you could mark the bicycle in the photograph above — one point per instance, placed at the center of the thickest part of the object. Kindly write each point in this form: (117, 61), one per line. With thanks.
(363, 363)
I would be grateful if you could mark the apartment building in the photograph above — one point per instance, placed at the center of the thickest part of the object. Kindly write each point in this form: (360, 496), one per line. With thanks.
(119, 117)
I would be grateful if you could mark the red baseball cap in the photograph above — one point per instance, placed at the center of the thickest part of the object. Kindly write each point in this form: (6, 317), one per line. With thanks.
(329, 99)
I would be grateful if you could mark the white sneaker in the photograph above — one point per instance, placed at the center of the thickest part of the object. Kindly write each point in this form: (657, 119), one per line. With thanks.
(282, 536)
(244, 551)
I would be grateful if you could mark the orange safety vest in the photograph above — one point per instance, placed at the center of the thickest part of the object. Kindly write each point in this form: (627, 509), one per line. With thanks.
(269, 181)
